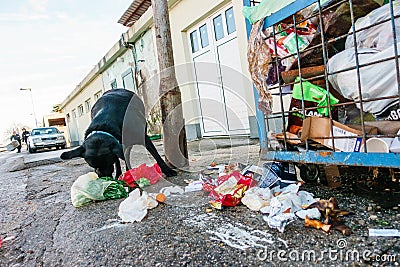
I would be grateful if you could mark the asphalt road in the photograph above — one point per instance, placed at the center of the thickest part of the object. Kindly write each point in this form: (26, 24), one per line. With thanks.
(40, 227)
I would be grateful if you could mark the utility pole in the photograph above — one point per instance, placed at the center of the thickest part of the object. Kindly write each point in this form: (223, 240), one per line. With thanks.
(33, 106)
(175, 146)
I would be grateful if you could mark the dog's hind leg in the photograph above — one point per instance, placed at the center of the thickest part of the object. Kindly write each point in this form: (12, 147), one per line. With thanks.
(127, 157)
(153, 151)
(118, 170)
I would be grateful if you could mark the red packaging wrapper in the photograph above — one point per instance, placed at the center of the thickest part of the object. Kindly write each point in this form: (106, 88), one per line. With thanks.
(208, 187)
(152, 173)
(231, 200)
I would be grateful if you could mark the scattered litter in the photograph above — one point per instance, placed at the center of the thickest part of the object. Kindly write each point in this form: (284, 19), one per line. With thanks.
(317, 224)
(266, 210)
(89, 187)
(161, 197)
(194, 186)
(172, 190)
(384, 232)
(382, 222)
(138, 176)
(142, 182)
(276, 173)
(229, 190)
(331, 214)
(310, 213)
(134, 208)
(8, 238)
(257, 198)
(279, 221)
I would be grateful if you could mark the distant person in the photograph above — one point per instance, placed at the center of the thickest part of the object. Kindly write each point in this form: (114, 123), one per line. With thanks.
(25, 135)
(15, 136)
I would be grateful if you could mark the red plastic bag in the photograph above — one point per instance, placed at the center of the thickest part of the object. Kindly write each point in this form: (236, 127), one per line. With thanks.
(151, 173)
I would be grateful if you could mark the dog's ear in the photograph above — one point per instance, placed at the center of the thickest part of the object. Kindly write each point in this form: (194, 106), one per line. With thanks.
(77, 152)
(117, 150)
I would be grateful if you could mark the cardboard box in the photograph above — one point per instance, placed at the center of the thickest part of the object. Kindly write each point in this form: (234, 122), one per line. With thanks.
(316, 128)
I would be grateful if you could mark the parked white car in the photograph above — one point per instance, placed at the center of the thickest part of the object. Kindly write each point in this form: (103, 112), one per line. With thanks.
(46, 137)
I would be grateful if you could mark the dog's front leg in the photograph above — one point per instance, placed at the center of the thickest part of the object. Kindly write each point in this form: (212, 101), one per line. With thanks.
(153, 151)
(118, 170)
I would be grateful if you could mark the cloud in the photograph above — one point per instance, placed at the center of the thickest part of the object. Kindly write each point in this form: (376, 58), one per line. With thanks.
(33, 10)
(39, 6)
(20, 17)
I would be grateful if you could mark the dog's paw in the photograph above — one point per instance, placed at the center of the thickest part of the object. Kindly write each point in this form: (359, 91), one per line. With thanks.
(169, 172)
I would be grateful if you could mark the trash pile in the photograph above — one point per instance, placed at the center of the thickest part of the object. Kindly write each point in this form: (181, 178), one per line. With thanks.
(89, 188)
(272, 190)
(345, 89)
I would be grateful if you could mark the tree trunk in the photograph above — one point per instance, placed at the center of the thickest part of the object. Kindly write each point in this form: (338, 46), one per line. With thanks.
(174, 134)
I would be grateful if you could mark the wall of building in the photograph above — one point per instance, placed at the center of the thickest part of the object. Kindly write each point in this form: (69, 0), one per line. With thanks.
(183, 16)
(120, 68)
(78, 123)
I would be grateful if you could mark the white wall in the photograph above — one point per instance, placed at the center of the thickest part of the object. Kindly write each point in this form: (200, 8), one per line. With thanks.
(120, 66)
(77, 126)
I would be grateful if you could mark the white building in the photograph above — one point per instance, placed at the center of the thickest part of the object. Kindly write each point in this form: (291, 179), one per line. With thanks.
(209, 43)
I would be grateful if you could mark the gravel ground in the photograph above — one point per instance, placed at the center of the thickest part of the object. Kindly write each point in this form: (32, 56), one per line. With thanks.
(40, 227)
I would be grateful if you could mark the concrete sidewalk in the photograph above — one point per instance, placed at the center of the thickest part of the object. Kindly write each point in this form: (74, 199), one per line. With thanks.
(20, 161)
(201, 153)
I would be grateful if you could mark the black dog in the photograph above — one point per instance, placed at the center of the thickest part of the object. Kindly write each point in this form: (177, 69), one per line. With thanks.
(117, 111)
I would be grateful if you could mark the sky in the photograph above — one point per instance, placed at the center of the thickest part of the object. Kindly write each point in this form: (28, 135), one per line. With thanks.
(50, 46)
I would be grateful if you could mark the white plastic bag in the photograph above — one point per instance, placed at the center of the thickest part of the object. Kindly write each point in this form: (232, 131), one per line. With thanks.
(87, 189)
(134, 208)
(380, 36)
(313, 213)
(256, 198)
(377, 80)
(280, 221)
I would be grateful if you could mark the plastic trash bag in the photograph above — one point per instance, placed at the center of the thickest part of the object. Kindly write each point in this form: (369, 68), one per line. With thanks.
(379, 36)
(133, 176)
(313, 93)
(259, 57)
(134, 208)
(88, 188)
(313, 213)
(264, 9)
(280, 221)
(256, 198)
(377, 80)
(85, 189)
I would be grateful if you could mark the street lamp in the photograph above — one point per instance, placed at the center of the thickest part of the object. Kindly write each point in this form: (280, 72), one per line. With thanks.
(33, 106)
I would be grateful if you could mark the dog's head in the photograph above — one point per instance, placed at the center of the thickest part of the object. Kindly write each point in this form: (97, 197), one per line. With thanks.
(100, 152)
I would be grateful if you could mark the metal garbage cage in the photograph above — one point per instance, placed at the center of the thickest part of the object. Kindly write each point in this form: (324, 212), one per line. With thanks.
(353, 110)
